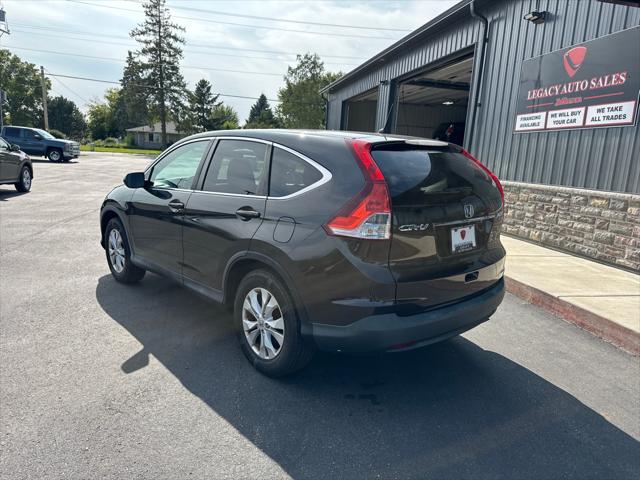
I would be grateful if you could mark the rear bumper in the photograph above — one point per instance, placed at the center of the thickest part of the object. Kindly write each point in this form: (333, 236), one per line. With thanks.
(390, 331)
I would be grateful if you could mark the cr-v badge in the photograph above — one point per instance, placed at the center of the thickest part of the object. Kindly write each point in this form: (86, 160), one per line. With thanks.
(414, 227)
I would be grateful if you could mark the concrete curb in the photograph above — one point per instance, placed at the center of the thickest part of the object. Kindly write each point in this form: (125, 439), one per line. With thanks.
(618, 335)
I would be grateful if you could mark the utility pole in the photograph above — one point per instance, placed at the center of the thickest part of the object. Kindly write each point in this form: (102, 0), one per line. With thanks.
(3, 99)
(44, 98)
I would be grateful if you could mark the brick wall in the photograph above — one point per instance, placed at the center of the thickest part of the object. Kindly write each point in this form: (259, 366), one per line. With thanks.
(600, 225)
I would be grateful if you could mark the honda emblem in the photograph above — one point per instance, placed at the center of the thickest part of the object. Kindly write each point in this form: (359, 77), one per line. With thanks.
(468, 210)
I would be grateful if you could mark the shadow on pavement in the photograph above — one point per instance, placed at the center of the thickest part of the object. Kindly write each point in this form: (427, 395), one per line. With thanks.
(44, 160)
(6, 194)
(452, 410)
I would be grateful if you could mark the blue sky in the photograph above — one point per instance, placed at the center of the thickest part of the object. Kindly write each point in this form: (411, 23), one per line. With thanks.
(100, 28)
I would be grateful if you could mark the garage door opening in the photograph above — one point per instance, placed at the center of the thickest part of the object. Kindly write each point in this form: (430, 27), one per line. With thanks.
(359, 113)
(434, 104)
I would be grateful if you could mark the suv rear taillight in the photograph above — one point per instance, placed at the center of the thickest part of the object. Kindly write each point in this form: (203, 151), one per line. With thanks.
(489, 172)
(368, 214)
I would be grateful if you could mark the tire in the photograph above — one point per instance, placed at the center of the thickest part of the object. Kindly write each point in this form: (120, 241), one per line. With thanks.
(118, 254)
(294, 352)
(24, 180)
(55, 155)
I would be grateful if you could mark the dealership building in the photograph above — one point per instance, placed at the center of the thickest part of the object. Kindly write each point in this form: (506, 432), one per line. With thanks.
(544, 92)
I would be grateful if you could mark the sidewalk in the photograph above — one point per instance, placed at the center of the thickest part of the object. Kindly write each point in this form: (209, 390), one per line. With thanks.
(603, 300)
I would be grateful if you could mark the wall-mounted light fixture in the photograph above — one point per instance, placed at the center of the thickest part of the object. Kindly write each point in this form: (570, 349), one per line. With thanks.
(536, 17)
(448, 102)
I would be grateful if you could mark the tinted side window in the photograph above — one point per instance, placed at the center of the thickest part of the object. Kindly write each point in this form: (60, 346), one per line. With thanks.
(29, 134)
(11, 132)
(290, 173)
(177, 169)
(238, 166)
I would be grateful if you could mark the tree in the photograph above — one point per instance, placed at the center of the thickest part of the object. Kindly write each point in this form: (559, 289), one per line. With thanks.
(161, 50)
(132, 109)
(201, 105)
(301, 105)
(261, 115)
(65, 116)
(102, 116)
(21, 81)
(223, 117)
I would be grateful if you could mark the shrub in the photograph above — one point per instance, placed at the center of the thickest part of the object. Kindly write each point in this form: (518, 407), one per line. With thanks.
(57, 133)
(130, 140)
(110, 142)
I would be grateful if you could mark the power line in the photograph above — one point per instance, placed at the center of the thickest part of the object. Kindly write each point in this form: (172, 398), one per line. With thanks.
(112, 82)
(111, 59)
(284, 20)
(197, 45)
(207, 20)
(183, 66)
(69, 89)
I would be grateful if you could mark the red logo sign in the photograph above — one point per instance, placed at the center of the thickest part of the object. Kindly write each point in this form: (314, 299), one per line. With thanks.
(463, 233)
(573, 59)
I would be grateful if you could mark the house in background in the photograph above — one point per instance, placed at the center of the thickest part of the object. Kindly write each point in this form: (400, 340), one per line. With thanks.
(150, 136)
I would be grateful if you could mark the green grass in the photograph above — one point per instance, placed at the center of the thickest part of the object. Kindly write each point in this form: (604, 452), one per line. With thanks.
(89, 148)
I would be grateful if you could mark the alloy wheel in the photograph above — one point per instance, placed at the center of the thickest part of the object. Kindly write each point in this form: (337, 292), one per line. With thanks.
(26, 179)
(116, 251)
(263, 323)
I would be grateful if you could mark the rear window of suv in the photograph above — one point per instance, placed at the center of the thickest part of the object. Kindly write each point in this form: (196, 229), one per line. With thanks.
(427, 175)
(11, 132)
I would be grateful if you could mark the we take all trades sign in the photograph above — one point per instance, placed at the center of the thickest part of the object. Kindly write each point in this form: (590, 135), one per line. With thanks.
(594, 84)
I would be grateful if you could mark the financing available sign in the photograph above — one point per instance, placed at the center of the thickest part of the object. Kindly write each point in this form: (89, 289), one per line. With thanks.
(594, 84)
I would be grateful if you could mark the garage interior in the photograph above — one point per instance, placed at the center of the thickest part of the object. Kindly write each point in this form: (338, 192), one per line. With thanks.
(433, 104)
(360, 112)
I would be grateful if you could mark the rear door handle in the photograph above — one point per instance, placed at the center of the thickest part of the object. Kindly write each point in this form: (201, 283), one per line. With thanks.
(247, 213)
(176, 206)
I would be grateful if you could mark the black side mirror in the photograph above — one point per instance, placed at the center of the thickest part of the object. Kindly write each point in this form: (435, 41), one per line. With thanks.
(15, 148)
(37, 136)
(135, 180)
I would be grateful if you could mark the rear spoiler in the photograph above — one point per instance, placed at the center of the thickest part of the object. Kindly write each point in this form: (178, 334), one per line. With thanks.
(425, 142)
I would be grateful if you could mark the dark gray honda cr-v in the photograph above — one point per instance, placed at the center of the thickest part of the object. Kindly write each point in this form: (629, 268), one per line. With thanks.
(341, 241)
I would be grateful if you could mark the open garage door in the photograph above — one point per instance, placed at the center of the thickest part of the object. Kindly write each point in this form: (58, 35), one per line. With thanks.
(433, 104)
(359, 113)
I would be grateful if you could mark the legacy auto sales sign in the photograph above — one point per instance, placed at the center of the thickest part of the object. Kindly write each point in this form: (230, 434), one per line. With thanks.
(591, 85)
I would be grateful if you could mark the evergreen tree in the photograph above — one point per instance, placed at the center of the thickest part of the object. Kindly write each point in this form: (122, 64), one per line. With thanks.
(132, 109)
(261, 115)
(161, 53)
(201, 105)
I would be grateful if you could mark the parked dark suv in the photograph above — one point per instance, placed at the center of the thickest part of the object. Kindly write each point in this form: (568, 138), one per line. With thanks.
(40, 143)
(344, 241)
(15, 167)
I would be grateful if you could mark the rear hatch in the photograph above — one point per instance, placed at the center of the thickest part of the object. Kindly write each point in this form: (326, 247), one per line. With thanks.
(447, 214)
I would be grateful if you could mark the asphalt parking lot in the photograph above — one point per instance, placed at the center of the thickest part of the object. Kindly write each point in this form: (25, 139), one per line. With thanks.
(101, 380)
